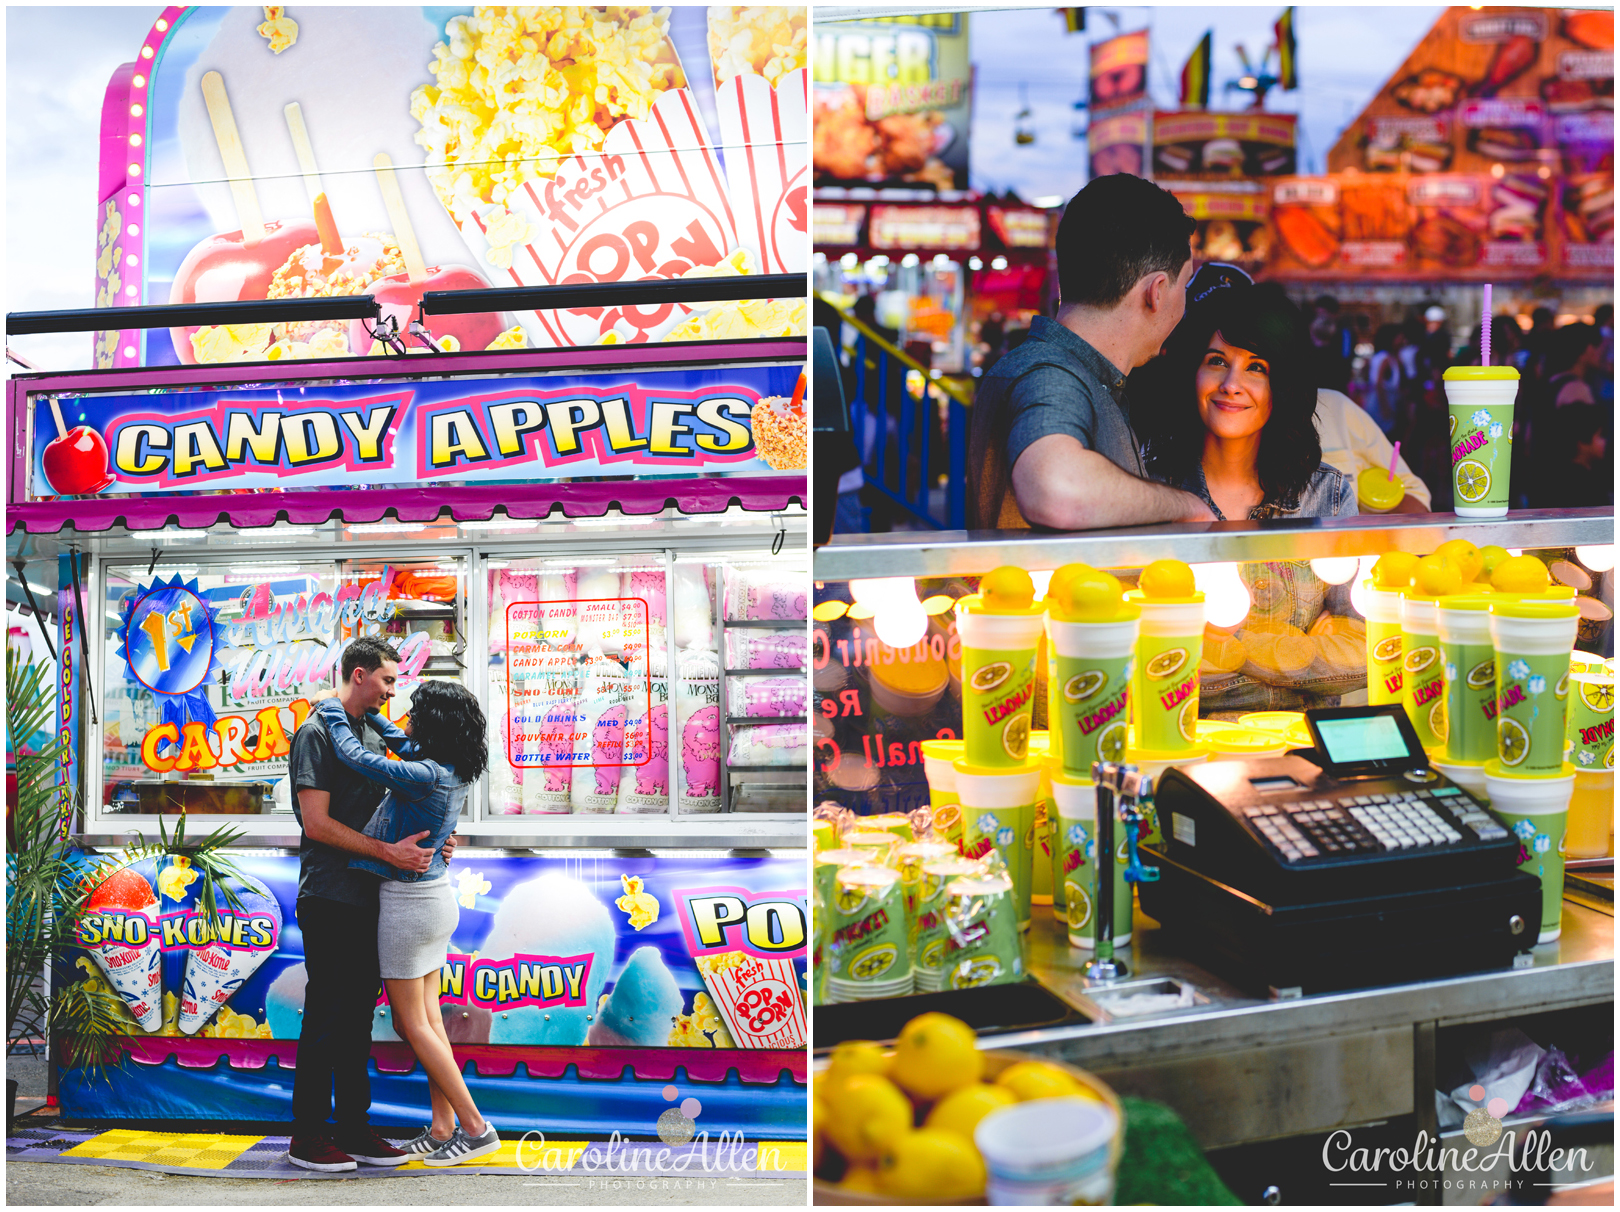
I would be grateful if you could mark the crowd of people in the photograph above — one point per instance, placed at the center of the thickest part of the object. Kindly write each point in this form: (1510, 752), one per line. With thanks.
(1563, 427)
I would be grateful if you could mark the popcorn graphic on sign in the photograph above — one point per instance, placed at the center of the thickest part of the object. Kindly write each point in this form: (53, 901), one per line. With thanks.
(759, 998)
(219, 968)
(120, 931)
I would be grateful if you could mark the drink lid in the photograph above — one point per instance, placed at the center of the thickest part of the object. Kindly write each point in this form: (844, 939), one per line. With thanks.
(974, 604)
(1515, 607)
(1142, 599)
(1477, 373)
(1470, 599)
(943, 749)
(870, 875)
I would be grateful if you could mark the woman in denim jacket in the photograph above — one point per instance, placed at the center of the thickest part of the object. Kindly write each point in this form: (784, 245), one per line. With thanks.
(445, 751)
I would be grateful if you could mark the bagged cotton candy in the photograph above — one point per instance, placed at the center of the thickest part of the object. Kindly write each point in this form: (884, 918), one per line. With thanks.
(120, 931)
(754, 698)
(248, 936)
(697, 715)
(758, 593)
(548, 733)
(516, 586)
(693, 608)
(505, 780)
(556, 592)
(601, 614)
(785, 745)
(644, 777)
(601, 722)
(642, 598)
(640, 1005)
(766, 649)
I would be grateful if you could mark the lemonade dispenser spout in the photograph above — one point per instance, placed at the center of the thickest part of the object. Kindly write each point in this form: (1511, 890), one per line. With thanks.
(1121, 789)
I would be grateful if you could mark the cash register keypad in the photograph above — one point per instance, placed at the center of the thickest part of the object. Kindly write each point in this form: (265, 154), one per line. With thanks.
(1348, 825)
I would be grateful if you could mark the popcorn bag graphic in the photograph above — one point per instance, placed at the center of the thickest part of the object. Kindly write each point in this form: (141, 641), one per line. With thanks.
(651, 204)
(219, 968)
(759, 998)
(120, 931)
(763, 135)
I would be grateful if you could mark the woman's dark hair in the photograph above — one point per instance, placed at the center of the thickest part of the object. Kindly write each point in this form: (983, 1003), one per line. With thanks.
(1568, 344)
(448, 727)
(1384, 338)
(1261, 320)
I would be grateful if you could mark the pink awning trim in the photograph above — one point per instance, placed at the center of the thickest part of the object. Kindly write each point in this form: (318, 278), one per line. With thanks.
(756, 1067)
(475, 503)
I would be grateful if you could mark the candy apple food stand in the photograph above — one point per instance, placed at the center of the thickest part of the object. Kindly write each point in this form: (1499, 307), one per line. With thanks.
(586, 509)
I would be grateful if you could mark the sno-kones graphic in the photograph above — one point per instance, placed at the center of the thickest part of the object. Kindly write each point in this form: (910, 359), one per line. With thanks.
(167, 637)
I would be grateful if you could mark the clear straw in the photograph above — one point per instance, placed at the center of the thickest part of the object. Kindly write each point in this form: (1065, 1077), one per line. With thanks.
(1485, 330)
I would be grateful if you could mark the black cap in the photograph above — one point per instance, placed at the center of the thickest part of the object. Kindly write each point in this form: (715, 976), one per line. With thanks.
(1214, 276)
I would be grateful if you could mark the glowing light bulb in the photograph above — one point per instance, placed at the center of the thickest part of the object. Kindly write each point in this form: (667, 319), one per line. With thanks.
(899, 623)
(1335, 570)
(1598, 559)
(1358, 592)
(1226, 598)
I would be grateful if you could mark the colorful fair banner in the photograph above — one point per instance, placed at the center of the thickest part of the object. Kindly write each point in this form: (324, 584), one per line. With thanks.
(520, 429)
(253, 154)
(628, 952)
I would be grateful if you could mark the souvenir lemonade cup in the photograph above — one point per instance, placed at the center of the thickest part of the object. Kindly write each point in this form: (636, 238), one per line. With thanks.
(1075, 865)
(1469, 661)
(1423, 672)
(1533, 639)
(1000, 627)
(1591, 751)
(1169, 646)
(1536, 811)
(1377, 491)
(1091, 645)
(1383, 593)
(1480, 401)
(998, 813)
(939, 768)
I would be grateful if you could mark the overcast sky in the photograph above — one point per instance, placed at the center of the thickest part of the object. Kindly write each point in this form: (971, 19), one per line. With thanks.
(59, 59)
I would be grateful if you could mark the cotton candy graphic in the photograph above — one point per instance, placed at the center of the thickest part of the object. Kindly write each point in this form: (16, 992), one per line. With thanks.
(642, 603)
(215, 971)
(120, 931)
(551, 915)
(693, 610)
(698, 717)
(284, 1002)
(638, 1011)
(644, 777)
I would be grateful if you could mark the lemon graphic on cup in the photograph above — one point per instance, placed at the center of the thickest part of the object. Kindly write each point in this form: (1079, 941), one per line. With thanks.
(1562, 689)
(1166, 664)
(987, 677)
(1420, 659)
(1078, 909)
(1483, 675)
(1111, 742)
(932, 954)
(1512, 741)
(1599, 696)
(1188, 720)
(1015, 737)
(1083, 686)
(1437, 719)
(1387, 650)
(873, 962)
(981, 971)
(1472, 480)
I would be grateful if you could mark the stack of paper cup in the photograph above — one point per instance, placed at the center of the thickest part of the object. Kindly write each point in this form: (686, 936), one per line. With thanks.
(1164, 682)
(932, 937)
(1384, 649)
(874, 845)
(868, 953)
(1089, 679)
(1533, 639)
(1591, 752)
(1468, 659)
(939, 767)
(1050, 1151)
(998, 812)
(1536, 811)
(985, 946)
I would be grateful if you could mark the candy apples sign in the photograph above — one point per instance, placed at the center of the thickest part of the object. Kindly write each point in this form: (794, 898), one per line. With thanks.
(745, 420)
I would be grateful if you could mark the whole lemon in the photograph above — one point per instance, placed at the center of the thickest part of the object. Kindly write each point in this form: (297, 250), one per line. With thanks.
(865, 1114)
(1490, 556)
(1094, 597)
(1465, 556)
(936, 1054)
(932, 1165)
(961, 1110)
(1437, 575)
(856, 1056)
(1060, 578)
(1007, 588)
(863, 1179)
(1167, 579)
(1521, 574)
(1029, 1080)
(1394, 570)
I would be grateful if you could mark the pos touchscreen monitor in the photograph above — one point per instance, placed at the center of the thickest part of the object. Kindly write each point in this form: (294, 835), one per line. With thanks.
(1365, 740)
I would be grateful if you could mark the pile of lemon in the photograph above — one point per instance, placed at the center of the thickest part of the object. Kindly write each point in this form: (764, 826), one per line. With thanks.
(901, 1123)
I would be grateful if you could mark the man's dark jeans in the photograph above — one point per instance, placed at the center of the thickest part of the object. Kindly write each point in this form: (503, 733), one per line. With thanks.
(340, 1000)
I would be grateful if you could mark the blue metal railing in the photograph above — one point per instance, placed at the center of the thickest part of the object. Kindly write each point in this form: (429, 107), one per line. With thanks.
(895, 432)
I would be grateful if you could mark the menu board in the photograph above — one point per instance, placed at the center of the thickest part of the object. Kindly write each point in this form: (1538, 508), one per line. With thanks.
(1216, 146)
(1231, 226)
(892, 102)
(1119, 71)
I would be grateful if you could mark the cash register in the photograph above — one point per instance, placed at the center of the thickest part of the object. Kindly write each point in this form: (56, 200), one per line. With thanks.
(1349, 864)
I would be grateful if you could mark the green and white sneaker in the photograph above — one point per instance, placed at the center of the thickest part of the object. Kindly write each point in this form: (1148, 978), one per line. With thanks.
(461, 1148)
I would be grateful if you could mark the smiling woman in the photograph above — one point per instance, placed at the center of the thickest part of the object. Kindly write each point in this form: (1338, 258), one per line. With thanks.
(1237, 423)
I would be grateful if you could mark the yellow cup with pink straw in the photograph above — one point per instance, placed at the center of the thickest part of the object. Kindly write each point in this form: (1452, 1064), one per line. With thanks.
(1378, 491)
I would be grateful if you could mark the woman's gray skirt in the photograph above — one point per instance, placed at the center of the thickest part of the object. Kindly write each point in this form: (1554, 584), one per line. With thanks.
(414, 926)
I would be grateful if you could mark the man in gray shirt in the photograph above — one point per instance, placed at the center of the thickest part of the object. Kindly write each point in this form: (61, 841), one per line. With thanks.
(1052, 443)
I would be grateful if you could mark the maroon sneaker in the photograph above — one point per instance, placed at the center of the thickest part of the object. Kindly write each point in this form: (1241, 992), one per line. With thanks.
(364, 1145)
(318, 1153)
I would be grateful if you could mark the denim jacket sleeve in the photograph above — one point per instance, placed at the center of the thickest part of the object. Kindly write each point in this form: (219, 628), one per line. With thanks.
(407, 780)
(396, 740)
